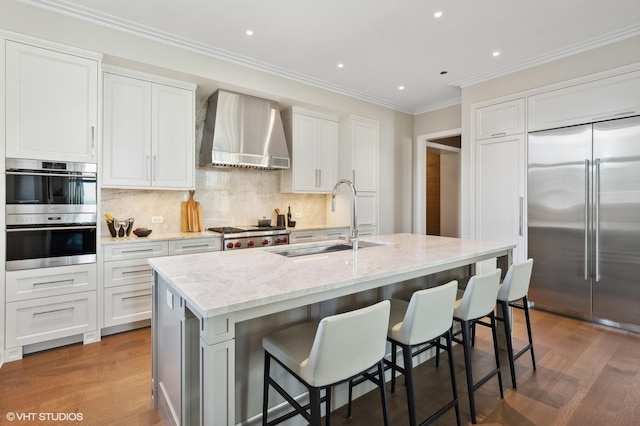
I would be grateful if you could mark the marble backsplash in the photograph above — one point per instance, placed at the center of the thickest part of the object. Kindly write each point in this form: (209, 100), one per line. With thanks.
(228, 197)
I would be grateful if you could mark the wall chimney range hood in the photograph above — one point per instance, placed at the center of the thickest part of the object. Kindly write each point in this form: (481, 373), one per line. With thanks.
(243, 131)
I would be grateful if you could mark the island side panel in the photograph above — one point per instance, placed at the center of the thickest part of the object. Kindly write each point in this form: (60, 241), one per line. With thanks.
(175, 356)
(217, 370)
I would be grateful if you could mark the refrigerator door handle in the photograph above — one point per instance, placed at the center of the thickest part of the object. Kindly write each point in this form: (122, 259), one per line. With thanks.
(586, 220)
(597, 218)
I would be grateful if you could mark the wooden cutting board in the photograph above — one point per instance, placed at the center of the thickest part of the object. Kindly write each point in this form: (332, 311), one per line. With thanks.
(190, 215)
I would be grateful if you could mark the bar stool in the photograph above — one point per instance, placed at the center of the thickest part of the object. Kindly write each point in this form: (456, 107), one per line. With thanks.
(478, 301)
(336, 350)
(417, 326)
(514, 288)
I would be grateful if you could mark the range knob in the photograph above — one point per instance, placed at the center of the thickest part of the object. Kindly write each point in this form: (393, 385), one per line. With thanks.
(229, 245)
(278, 241)
(284, 240)
(265, 242)
(238, 244)
(250, 243)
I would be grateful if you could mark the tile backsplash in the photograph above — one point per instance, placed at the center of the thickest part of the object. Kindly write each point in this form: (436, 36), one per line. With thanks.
(228, 197)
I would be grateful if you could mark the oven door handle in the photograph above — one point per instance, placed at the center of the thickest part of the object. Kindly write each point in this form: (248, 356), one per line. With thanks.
(48, 228)
(76, 175)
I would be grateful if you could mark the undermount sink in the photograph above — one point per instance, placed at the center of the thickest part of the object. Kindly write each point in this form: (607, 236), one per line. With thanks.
(293, 251)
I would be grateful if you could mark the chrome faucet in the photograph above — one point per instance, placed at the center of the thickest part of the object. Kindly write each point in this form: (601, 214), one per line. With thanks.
(353, 239)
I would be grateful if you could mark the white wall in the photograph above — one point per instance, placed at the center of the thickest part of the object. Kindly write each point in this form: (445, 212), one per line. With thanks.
(128, 50)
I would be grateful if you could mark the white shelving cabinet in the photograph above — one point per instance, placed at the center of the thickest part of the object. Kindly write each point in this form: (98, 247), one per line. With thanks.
(312, 139)
(149, 131)
(51, 102)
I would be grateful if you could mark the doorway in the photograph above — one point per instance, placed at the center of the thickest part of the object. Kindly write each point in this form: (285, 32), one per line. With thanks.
(437, 184)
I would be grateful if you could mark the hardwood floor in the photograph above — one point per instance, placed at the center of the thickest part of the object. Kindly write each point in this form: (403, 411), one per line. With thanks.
(587, 375)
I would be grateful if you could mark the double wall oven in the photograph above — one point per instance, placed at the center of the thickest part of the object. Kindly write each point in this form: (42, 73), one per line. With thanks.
(51, 210)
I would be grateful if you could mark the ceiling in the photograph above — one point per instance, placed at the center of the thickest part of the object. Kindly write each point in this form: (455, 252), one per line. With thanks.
(382, 44)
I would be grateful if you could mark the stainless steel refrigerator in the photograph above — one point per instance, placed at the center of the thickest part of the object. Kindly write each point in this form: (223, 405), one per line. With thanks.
(583, 191)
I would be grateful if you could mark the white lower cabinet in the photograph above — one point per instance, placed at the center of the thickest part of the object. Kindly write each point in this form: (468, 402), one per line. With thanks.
(42, 319)
(127, 276)
(46, 304)
(126, 303)
(127, 281)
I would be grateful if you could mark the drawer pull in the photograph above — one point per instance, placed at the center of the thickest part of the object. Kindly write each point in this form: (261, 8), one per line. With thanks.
(139, 271)
(135, 297)
(54, 283)
(137, 251)
(53, 311)
(195, 246)
(299, 237)
(493, 135)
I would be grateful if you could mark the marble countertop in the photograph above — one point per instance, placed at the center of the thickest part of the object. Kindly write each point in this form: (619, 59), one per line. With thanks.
(217, 283)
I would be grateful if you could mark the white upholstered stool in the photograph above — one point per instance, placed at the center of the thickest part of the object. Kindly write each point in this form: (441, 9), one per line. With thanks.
(513, 293)
(417, 326)
(323, 354)
(478, 301)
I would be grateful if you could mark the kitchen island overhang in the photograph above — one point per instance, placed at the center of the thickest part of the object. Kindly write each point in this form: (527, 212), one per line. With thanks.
(198, 300)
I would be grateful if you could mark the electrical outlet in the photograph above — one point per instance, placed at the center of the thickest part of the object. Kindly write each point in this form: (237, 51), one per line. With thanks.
(298, 215)
(157, 219)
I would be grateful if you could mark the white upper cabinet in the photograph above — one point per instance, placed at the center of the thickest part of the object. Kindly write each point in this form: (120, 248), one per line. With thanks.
(149, 133)
(502, 119)
(51, 103)
(598, 100)
(312, 139)
(359, 153)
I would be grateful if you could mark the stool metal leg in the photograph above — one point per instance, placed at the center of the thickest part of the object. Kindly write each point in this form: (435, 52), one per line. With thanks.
(383, 393)
(408, 378)
(466, 336)
(526, 316)
(492, 316)
(265, 391)
(506, 319)
(453, 375)
(314, 401)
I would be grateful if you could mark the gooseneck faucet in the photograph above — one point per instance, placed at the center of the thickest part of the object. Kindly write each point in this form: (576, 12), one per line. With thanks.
(354, 215)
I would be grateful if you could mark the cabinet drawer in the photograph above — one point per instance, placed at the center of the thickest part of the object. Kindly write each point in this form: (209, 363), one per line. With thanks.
(195, 245)
(127, 272)
(335, 233)
(39, 320)
(126, 304)
(303, 236)
(134, 250)
(46, 282)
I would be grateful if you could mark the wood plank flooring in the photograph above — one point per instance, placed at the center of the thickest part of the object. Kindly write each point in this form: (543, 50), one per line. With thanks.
(587, 375)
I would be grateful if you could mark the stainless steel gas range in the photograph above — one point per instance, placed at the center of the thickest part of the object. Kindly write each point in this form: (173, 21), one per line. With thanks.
(234, 238)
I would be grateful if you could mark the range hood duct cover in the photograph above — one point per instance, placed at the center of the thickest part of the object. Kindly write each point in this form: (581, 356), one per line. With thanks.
(243, 131)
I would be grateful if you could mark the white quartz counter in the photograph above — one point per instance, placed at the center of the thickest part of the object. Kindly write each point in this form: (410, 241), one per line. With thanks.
(217, 283)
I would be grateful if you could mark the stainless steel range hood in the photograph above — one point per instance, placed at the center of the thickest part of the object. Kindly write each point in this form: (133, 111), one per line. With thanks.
(243, 131)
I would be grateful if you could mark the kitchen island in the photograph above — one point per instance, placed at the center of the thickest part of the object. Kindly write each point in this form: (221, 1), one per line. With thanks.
(211, 309)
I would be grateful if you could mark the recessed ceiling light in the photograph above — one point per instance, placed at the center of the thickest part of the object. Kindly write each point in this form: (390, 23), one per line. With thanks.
(496, 53)
(438, 14)
(340, 65)
(400, 87)
(249, 32)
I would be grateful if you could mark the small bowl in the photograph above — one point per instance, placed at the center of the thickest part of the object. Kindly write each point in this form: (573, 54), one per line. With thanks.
(141, 233)
(292, 224)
